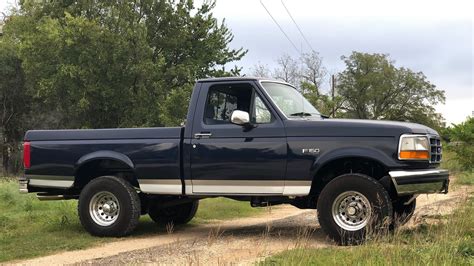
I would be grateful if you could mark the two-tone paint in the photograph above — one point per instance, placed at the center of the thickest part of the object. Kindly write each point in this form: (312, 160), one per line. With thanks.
(279, 158)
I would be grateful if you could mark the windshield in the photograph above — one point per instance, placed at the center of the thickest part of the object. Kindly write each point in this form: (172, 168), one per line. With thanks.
(289, 100)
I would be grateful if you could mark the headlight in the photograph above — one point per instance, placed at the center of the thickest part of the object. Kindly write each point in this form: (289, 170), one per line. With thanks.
(414, 147)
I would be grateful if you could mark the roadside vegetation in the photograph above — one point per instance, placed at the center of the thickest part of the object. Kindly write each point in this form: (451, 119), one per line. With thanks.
(30, 228)
(447, 241)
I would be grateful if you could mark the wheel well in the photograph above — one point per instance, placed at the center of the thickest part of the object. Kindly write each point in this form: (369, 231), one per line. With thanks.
(101, 167)
(346, 165)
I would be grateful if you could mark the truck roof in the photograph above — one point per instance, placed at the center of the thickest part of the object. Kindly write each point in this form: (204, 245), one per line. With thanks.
(236, 79)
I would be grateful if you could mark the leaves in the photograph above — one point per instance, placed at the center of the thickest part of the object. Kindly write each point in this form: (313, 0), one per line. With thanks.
(462, 143)
(107, 64)
(117, 64)
(374, 88)
(13, 99)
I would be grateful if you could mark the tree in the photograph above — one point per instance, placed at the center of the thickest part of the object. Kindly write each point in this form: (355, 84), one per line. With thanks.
(261, 70)
(13, 104)
(312, 71)
(118, 63)
(462, 143)
(372, 87)
(288, 70)
(307, 74)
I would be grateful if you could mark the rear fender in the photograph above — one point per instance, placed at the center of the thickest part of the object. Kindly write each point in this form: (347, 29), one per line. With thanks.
(85, 168)
(104, 155)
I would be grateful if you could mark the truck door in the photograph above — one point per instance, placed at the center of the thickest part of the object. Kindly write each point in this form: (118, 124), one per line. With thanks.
(229, 159)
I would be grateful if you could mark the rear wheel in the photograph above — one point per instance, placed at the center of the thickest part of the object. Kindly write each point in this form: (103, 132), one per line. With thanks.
(352, 206)
(178, 214)
(109, 206)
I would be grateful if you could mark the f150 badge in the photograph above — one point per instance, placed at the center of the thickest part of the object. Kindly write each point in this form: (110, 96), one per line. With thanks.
(310, 151)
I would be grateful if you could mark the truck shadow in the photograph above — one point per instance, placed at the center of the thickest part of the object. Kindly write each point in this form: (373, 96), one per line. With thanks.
(302, 226)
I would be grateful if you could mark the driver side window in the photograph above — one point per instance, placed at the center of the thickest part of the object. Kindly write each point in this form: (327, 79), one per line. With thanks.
(222, 100)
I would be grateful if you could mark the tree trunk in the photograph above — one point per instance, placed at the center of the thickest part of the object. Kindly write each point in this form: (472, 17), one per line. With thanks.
(5, 157)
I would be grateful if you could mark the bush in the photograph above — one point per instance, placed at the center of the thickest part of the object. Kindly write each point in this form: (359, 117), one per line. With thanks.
(462, 143)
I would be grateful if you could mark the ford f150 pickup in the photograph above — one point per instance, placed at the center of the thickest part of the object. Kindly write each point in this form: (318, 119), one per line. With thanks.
(247, 139)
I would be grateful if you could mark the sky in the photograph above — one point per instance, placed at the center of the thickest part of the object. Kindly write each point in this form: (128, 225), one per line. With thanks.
(435, 37)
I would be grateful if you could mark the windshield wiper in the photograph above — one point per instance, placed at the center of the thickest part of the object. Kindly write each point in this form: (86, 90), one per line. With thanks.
(301, 114)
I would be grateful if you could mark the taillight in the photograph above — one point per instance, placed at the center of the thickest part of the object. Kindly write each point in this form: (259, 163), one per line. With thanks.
(26, 154)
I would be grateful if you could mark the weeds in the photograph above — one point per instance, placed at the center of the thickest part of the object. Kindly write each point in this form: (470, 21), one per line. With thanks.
(214, 235)
(170, 228)
(442, 243)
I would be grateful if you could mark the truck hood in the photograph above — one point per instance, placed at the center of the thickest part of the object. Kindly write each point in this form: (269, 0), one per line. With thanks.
(353, 128)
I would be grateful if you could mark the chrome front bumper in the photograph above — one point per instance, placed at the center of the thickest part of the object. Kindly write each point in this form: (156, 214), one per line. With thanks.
(420, 181)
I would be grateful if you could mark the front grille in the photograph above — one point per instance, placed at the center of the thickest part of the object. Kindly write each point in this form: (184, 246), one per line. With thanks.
(436, 151)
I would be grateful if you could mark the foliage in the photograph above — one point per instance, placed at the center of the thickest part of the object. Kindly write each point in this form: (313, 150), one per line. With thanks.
(307, 73)
(465, 178)
(326, 104)
(106, 64)
(114, 64)
(213, 209)
(462, 143)
(372, 87)
(30, 228)
(13, 103)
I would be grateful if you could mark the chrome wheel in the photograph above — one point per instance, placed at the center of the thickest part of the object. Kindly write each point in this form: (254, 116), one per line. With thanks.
(351, 210)
(104, 208)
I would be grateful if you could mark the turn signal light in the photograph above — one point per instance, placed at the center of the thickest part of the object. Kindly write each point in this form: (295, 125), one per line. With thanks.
(422, 155)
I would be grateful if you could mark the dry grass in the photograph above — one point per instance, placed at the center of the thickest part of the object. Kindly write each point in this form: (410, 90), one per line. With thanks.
(447, 241)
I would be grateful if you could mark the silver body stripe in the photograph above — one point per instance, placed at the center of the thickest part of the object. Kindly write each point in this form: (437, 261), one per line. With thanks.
(161, 186)
(297, 188)
(53, 181)
(195, 187)
(234, 187)
(226, 187)
(51, 177)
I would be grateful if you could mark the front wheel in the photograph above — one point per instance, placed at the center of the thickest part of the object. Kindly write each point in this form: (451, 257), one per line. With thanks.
(353, 205)
(109, 206)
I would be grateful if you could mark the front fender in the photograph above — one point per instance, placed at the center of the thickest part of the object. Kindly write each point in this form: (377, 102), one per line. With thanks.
(351, 152)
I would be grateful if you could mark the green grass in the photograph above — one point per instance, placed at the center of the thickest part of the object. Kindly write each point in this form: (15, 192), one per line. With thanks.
(462, 176)
(465, 178)
(30, 228)
(223, 209)
(450, 163)
(448, 242)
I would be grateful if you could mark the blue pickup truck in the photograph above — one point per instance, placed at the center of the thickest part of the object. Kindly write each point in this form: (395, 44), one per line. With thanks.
(247, 139)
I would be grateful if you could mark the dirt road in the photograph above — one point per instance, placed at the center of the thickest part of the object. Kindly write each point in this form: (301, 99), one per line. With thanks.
(239, 242)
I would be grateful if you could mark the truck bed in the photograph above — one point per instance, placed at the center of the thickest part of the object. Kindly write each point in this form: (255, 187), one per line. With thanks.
(104, 134)
(146, 153)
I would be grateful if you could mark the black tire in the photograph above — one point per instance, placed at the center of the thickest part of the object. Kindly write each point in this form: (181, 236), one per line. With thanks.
(345, 191)
(402, 213)
(177, 215)
(127, 210)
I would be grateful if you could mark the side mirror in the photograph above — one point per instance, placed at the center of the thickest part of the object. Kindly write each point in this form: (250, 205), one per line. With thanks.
(241, 118)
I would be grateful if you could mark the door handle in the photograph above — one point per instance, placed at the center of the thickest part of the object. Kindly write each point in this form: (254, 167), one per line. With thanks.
(202, 135)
